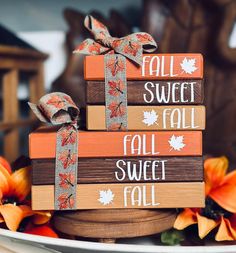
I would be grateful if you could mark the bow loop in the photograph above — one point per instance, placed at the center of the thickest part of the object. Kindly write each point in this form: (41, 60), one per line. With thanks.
(56, 108)
(131, 46)
(98, 30)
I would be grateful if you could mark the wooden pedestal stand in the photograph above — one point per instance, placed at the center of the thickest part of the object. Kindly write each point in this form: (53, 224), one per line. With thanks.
(110, 224)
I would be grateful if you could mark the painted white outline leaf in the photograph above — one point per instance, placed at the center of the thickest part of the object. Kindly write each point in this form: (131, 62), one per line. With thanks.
(188, 66)
(150, 118)
(106, 197)
(177, 142)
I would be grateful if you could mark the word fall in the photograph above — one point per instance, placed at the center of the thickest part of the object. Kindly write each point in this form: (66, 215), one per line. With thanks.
(140, 196)
(158, 66)
(179, 118)
(140, 144)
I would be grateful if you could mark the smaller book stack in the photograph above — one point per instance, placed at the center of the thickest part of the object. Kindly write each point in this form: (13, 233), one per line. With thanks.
(157, 163)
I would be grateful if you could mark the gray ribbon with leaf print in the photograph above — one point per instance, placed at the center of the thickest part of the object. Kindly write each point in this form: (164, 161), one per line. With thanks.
(115, 92)
(59, 109)
(116, 51)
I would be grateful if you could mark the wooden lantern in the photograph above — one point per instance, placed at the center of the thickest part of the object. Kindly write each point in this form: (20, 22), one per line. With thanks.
(17, 57)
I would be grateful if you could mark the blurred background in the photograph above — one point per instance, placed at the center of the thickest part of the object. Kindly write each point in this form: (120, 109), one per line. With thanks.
(37, 39)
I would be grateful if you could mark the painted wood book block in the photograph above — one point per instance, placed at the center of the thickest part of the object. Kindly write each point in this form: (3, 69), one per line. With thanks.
(100, 196)
(155, 66)
(151, 117)
(42, 143)
(150, 92)
(124, 170)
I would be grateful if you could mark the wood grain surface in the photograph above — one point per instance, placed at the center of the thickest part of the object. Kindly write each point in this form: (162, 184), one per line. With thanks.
(168, 117)
(151, 92)
(114, 223)
(42, 143)
(152, 195)
(164, 66)
(128, 170)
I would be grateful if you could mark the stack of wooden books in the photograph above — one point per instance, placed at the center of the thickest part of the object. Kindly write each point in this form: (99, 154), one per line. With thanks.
(157, 163)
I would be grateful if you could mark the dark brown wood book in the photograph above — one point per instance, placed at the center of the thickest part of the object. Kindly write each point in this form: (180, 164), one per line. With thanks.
(150, 92)
(125, 170)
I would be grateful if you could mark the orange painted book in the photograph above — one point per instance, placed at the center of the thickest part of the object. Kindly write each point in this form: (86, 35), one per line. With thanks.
(42, 143)
(155, 66)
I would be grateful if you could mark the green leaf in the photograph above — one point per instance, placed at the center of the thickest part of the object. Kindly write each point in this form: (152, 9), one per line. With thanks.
(172, 237)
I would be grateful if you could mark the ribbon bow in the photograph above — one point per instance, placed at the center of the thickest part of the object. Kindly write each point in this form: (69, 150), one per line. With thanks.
(131, 46)
(59, 109)
(56, 108)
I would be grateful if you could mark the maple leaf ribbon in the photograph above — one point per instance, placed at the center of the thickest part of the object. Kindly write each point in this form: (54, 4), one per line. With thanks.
(59, 109)
(56, 108)
(131, 46)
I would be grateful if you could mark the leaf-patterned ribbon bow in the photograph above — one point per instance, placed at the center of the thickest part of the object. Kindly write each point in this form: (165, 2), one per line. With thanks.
(116, 50)
(131, 46)
(59, 109)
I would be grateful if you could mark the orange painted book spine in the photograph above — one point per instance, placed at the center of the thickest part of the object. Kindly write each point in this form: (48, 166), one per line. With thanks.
(42, 143)
(154, 67)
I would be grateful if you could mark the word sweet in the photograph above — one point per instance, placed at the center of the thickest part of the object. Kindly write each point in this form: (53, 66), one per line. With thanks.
(177, 92)
(137, 144)
(138, 171)
(158, 66)
(140, 196)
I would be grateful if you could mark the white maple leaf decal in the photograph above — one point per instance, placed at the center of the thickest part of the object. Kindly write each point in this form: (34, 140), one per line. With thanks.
(106, 197)
(150, 118)
(177, 142)
(188, 66)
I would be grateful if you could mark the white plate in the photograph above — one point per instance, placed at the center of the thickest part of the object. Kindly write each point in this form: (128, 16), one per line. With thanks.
(71, 246)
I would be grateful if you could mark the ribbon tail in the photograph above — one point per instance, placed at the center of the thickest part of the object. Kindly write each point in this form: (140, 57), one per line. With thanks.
(66, 168)
(37, 112)
(116, 107)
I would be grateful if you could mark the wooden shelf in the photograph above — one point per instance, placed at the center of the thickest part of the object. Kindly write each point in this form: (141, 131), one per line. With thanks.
(19, 123)
(22, 52)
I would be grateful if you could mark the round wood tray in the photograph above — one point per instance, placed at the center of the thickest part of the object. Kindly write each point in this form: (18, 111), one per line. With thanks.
(110, 224)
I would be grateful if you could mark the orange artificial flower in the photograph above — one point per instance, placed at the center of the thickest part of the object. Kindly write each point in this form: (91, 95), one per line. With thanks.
(14, 188)
(5, 164)
(220, 210)
(43, 230)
